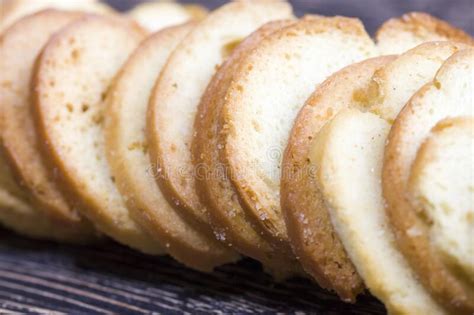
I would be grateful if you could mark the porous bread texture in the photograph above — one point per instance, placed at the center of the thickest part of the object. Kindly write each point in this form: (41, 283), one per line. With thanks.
(347, 156)
(298, 193)
(127, 152)
(71, 79)
(19, 47)
(397, 35)
(267, 91)
(179, 89)
(158, 15)
(300, 196)
(392, 86)
(448, 95)
(441, 186)
(385, 94)
(13, 10)
(215, 191)
(311, 232)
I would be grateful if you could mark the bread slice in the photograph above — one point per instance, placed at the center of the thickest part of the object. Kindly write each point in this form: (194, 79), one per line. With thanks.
(397, 35)
(347, 156)
(19, 139)
(157, 15)
(441, 187)
(127, 153)
(179, 89)
(229, 220)
(307, 218)
(71, 80)
(448, 95)
(255, 123)
(13, 10)
(386, 92)
(392, 86)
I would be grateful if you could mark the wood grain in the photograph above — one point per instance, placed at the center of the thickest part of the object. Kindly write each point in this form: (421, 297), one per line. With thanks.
(43, 277)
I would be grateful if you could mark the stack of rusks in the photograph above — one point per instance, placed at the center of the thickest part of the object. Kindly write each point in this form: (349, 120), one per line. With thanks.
(302, 143)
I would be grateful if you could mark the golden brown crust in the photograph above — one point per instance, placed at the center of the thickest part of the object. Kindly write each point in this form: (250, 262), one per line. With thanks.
(18, 133)
(264, 208)
(448, 289)
(313, 237)
(176, 96)
(45, 112)
(419, 24)
(191, 211)
(144, 200)
(229, 221)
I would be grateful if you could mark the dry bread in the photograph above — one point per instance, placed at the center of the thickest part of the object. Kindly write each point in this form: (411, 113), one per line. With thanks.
(299, 196)
(127, 153)
(71, 79)
(384, 93)
(441, 181)
(19, 139)
(347, 155)
(307, 218)
(391, 87)
(179, 89)
(229, 220)
(397, 35)
(13, 10)
(158, 15)
(254, 123)
(448, 95)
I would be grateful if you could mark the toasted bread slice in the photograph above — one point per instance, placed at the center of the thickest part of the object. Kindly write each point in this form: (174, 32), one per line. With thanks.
(448, 95)
(388, 91)
(179, 89)
(261, 120)
(13, 10)
(441, 185)
(311, 232)
(127, 152)
(397, 35)
(347, 156)
(302, 202)
(72, 76)
(229, 220)
(19, 139)
(157, 15)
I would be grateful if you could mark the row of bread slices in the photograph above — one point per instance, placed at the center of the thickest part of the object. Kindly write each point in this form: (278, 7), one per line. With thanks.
(250, 133)
(153, 15)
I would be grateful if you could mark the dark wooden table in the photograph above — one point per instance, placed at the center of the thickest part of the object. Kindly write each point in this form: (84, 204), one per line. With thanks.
(43, 277)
